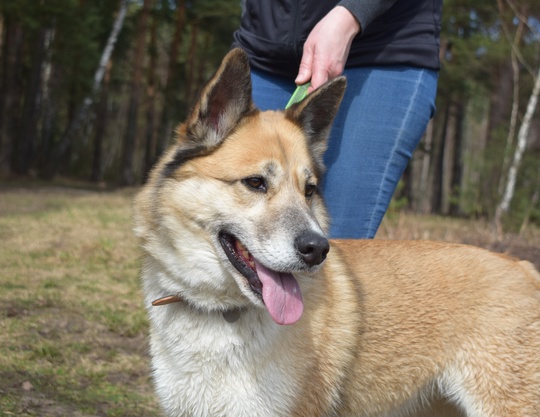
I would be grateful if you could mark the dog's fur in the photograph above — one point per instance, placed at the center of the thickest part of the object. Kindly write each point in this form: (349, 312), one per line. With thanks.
(388, 328)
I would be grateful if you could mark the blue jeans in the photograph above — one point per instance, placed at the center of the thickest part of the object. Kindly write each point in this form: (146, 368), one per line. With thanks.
(381, 119)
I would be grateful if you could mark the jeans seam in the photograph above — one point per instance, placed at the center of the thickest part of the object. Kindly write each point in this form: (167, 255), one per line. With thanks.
(393, 154)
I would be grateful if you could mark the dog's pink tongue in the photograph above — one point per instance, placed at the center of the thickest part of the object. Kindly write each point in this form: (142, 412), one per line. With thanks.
(281, 295)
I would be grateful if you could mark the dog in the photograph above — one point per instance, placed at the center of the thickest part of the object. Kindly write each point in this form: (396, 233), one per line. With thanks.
(254, 312)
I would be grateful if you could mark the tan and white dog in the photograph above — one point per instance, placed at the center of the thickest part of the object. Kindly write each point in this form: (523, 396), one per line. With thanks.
(233, 230)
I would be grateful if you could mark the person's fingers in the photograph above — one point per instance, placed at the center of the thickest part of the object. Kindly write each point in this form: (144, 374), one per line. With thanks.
(327, 48)
(305, 69)
(319, 76)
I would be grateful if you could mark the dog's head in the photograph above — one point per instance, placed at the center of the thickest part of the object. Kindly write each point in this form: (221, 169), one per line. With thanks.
(233, 209)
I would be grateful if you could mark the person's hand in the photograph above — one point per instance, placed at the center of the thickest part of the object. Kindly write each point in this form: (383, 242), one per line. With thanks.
(327, 47)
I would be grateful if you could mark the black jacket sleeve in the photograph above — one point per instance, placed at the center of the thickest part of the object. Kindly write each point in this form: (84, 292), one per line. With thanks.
(366, 11)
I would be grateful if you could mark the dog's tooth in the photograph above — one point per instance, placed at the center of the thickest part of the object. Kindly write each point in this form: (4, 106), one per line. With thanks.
(243, 250)
(240, 247)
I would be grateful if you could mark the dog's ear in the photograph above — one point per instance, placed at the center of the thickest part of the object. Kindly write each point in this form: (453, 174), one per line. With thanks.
(223, 102)
(316, 113)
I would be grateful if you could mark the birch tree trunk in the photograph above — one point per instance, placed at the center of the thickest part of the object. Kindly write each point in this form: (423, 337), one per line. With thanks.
(515, 57)
(513, 122)
(523, 134)
(81, 114)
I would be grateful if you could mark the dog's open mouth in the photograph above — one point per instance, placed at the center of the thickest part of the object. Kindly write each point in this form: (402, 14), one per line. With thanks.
(279, 291)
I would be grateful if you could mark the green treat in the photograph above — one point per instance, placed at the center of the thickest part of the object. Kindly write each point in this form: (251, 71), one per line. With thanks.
(299, 94)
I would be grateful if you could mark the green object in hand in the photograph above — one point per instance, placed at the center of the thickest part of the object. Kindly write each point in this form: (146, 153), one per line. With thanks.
(299, 94)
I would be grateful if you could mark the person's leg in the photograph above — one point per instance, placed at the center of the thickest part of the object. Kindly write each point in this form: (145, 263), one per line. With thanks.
(381, 120)
(271, 92)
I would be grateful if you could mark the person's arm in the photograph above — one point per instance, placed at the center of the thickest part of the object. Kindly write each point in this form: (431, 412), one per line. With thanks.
(328, 44)
(366, 11)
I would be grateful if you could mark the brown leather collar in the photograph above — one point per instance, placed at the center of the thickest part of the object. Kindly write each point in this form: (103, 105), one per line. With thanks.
(230, 316)
(167, 300)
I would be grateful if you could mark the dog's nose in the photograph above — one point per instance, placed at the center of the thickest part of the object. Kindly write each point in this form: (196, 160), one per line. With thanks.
(312, 248)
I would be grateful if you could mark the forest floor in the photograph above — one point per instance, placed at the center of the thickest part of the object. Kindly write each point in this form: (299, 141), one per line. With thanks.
(73, 331)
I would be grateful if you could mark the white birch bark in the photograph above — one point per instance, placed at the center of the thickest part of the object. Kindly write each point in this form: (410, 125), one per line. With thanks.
(513, 121)
(515, 57)
(107, 52)
(523, 134)
(82, 112)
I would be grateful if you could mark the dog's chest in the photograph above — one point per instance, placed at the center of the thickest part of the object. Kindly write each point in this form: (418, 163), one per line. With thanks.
(215, 368)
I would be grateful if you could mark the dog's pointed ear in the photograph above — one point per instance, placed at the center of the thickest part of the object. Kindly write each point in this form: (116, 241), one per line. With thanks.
(316, 113)
(223, 102)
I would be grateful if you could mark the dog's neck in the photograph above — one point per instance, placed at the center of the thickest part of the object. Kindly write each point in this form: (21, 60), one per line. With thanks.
(230, 316)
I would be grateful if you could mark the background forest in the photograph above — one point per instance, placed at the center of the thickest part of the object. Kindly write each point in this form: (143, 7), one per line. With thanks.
(92, 90)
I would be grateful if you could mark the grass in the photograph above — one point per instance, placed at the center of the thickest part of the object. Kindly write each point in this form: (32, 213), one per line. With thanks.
(73, 332)
(72, 326)
(402, 226)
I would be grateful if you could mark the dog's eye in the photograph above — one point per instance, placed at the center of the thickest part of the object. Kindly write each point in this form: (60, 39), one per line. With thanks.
(310, 189)
(255, 183)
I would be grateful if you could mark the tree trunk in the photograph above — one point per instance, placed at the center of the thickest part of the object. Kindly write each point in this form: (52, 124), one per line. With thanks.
(130, 138)
(532, 203)
(448, 157)
(201, 67)
(78, 120)
(101, 127)
(191, 63)
(473, 153)
(172, 81)
(436, 169)
(27, 137)
(515, 103)
(10, 95)
(523, 134)
(457, 160)
(500, 108)
(422, 196)
(52, 74)
(151, 101)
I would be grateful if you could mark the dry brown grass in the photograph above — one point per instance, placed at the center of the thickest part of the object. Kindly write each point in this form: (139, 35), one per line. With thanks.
(403, 226)
(72, 326)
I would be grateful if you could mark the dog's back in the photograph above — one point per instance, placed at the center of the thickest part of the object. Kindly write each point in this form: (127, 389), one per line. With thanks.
(453, 319)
